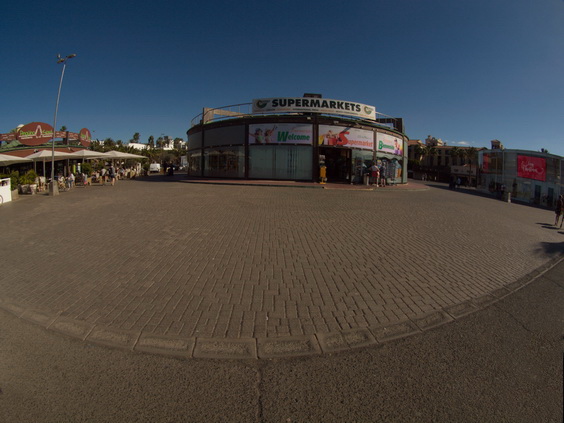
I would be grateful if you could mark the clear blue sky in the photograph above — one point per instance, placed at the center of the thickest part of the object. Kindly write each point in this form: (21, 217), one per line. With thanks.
(465, 71)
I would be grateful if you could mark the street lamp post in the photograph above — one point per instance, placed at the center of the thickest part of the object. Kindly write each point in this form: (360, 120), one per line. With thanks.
(53, 188)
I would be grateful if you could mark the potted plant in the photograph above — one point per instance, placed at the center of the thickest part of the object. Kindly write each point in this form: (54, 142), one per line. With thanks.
(28, 182)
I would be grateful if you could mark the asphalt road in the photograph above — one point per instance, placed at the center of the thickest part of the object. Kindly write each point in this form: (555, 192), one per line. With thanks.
(501, 364)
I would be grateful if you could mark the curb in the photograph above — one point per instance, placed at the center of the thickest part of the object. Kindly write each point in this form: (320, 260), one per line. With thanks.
(264, 348)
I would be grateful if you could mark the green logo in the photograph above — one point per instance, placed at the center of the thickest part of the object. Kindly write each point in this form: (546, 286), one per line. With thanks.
(261, 104)
(367, 110)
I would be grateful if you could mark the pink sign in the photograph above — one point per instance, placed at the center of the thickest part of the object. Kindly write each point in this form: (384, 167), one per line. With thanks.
(531, 168)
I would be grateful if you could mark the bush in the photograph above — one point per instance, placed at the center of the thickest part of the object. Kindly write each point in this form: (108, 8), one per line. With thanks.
(14, 178)
(29, 178)
(86, 168)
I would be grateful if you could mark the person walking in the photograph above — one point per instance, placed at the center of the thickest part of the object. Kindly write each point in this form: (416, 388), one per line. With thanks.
(559, 210)
(112, 173)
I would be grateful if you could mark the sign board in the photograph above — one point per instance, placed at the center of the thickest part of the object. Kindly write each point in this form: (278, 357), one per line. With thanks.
(85, 137)
(531, 167)
(280, 133)
(389, 144)
(35, 133)
(313, 105)
(338, 136)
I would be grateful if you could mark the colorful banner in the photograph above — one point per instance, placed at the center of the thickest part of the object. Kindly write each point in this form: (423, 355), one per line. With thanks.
(389, 144)
(531, 168)
(280, 133)
(338, 136)
(313, 105)
(35, 133)
(85, 137)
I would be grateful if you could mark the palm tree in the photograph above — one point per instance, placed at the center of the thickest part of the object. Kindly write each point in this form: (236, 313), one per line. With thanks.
(63, 128)
(470, 154)
(152, 141)
(136, 137)
(454, 154)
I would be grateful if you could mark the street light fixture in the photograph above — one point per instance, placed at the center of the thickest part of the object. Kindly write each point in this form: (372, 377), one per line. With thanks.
(54, 189)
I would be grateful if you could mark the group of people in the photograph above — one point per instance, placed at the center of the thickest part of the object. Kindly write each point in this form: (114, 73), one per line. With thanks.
(377, 175)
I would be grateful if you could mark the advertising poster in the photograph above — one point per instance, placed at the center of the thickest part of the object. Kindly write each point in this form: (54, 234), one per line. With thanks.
(339, 136)
(486, 163)
(389, 144)
(280, 133)
(531, 167)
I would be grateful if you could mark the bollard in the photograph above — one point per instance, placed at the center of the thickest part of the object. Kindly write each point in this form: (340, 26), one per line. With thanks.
(509, 197)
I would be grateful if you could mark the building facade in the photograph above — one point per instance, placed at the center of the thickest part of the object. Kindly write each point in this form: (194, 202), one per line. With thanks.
(528, 176)
(299, 139)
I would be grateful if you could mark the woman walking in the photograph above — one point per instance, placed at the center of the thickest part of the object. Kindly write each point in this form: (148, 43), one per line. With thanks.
(559, 210)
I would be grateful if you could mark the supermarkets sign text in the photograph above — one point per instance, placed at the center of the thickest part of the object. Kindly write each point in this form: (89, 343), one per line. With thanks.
(313, 105)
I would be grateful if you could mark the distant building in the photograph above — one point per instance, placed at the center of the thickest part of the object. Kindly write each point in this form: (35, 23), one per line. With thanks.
(529, 176)
(138, 145)
(437, 161)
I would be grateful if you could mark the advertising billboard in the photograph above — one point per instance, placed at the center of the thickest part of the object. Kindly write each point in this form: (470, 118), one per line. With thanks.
(280, 133)
(35, 133)
(85, 136)
(389, 144)
(531, 167)
(339, 136)
(313, 105)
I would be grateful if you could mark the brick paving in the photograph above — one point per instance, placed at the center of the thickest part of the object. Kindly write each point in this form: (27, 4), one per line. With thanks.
(209, 270)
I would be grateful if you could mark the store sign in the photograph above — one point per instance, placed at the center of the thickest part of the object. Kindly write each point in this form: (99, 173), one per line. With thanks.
(389, 144)
(85, 137)
(313, 105)
(531, 167)
(280, 133)
(35, 133)
(338, 136)
(8, 137)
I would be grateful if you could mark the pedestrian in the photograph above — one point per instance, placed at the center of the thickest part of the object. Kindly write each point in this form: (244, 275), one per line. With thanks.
(559, 210)
(375, 173)
(112, 174)
(458, 183)
(103, 176)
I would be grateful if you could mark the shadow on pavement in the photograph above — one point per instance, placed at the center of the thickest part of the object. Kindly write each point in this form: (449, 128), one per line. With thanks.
(553, 248)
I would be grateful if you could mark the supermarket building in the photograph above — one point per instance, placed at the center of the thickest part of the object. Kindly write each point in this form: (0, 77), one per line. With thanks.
(296, 139)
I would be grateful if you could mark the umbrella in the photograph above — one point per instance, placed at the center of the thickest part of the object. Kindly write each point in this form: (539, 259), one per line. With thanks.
(87, 154)
(45, 155)
(120, 155)
(7, 159)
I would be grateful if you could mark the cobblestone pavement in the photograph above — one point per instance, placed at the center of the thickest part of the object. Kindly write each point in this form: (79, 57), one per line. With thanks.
(199, 270)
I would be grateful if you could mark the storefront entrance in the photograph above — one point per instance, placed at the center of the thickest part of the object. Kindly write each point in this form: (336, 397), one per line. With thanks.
(338, 163)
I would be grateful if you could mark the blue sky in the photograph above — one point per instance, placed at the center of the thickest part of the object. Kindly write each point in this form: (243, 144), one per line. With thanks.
(465, 71)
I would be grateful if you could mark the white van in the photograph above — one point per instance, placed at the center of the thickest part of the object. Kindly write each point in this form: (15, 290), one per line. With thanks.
(154, 167)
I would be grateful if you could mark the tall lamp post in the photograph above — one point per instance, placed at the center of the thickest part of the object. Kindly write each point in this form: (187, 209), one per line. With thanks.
(53, 187)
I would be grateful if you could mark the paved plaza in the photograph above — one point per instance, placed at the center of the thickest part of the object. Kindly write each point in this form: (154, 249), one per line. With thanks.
(218, 271)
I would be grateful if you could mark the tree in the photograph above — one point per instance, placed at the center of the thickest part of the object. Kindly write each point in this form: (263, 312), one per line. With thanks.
(136, 137)
(109, 144)
(456, 153)
(63, 128)
(471, 154)
(160, 141)
(152, 141)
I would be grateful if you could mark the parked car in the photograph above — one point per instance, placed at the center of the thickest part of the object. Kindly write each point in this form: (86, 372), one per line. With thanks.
(155, 167)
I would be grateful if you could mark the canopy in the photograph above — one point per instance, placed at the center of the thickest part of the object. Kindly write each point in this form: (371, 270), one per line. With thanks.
(45, 155)
(7, 159)
(120, 155)
(87, 154)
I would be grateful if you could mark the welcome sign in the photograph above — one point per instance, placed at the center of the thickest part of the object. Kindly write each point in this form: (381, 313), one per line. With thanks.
(280, 133)
(313, 105)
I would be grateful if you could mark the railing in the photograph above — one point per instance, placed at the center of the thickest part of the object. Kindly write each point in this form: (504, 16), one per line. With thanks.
(245, 110)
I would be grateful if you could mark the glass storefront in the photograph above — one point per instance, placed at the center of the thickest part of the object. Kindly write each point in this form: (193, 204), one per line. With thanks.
(226, 162)
(280, 162)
